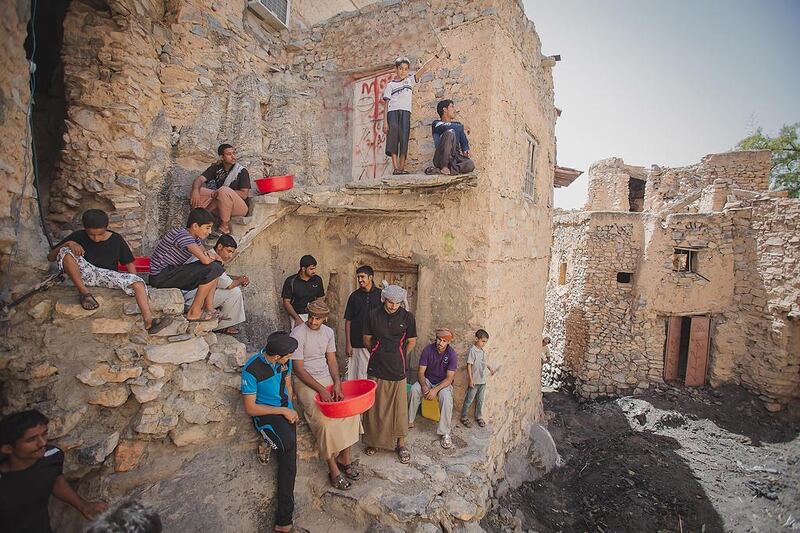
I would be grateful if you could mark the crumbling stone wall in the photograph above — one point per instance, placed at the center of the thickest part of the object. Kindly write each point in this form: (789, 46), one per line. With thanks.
(745, 257)
(609, 185)
(20, 229)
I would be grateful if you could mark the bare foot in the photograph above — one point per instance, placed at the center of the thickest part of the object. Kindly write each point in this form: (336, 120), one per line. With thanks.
(446, 171)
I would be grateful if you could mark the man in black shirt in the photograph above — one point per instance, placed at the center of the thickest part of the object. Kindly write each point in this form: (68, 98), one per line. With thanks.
(30, 471)
(363, 300)
(390, 333)
(223, 188)
(301, 289)
(89, 258)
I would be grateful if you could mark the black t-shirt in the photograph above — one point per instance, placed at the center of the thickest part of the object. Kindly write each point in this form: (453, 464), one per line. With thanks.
(103, 254)
(24, 494)
(302, 292)
(216, 175)
(389, 335)
(359, 305)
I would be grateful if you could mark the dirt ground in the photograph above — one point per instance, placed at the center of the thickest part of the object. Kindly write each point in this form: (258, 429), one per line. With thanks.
(679, 460)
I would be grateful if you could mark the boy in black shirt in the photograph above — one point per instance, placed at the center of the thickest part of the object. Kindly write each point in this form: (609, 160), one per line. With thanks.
(90, 257)
(301, 289)
(30, 471)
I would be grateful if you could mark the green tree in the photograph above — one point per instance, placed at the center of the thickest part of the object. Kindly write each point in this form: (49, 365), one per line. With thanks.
(785, 155)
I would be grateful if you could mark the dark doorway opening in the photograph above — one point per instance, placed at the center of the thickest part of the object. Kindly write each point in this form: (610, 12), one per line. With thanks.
(636, 195)
(43, 49)
(686, 350)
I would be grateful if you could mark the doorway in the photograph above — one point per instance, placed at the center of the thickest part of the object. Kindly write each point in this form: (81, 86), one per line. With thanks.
(686, 350)
(636, 195)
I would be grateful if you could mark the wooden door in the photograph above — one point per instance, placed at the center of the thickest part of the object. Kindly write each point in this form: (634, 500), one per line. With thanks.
(405, 277)
(672, 350)
(697, 363)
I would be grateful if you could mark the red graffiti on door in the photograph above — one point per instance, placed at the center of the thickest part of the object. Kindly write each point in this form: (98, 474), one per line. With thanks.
(369, 141)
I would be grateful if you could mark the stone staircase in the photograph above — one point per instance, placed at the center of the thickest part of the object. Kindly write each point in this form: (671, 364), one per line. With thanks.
(159, 416)
(265, 210)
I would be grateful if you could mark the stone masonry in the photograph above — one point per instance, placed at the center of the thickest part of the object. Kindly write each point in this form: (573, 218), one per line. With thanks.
(609, 333)
(151, 88)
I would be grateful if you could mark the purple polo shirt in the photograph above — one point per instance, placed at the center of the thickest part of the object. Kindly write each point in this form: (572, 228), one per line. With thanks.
(438, 364)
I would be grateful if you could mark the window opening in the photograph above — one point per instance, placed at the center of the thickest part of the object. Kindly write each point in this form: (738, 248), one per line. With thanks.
(529, 185)
(684, 260)
(636, 195)
(624, 277)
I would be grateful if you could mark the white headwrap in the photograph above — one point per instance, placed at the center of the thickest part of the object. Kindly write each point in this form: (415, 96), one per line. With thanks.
(394, 293)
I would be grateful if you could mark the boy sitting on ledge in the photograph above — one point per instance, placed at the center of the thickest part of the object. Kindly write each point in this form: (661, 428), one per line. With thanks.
(89, 258)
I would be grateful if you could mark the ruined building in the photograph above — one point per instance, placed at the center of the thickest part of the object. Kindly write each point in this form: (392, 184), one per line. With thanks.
(131, 99)
(682, 275)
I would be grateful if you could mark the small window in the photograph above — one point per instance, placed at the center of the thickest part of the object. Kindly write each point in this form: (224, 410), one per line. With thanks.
(624, 277)
(529, 186)
(684, 260)
(562, 274)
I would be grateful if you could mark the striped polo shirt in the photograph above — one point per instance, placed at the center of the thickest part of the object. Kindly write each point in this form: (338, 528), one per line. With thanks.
(171, 250)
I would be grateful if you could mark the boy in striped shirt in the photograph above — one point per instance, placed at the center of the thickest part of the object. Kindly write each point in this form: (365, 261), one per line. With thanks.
(168, 267)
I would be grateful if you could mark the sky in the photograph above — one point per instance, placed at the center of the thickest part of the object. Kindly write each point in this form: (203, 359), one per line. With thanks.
(666, 82)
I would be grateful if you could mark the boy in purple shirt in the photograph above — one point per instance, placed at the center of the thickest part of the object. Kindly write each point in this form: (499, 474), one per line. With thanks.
(437, 369)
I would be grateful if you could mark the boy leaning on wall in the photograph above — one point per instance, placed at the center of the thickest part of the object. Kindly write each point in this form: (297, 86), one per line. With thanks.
(397, 120)
(476, 379)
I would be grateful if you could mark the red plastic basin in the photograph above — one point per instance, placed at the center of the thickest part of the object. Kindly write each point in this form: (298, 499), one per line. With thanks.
(274, 184)
(141, 263)
(359, 395)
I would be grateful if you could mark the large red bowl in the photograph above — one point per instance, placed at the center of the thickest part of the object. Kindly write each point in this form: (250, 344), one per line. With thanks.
(274, 184)
(141, 263)
(359, 395)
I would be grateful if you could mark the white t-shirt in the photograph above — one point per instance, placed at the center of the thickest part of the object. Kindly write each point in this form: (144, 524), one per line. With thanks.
(312, 345)
(397, 94)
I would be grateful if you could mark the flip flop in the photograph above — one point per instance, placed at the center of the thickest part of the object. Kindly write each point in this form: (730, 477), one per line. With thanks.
(446, 442)
(481, 422)
(340, 482)
(403, 454)
(205, 316)
(88, 301)
(349, 470)
(158, 324)
(466, 423)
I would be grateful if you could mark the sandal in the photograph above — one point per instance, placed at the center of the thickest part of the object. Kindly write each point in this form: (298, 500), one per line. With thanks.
(403, 454)
(88, 301)
(295, 529)
(157, 324)
(446, 442)
(370, 450)
(350, 470)
(432, 170)
(466, 423)
(396, 172)
(205, 316)
(340, 482)
(263, 453)
(481, 422)
(404, 171)
(230, 330)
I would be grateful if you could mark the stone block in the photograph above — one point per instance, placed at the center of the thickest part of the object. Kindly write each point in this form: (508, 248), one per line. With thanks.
(110, 326)
(147, 392)
(155, 419)
(41, 311)
(128, 454)
(166, 301)
(105, 373)
(96, 452)
(190, 435)
(179, 338)
(41, 371)
(109, 395)
(202, 328)
(73, 309)
(156, 371)
(63, 421)
(179, 352)
(178, 326)
(460, 508)
(196, 377)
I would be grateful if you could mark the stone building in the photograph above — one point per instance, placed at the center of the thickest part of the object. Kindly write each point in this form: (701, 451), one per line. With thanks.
(145, 91)
(686, 275)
